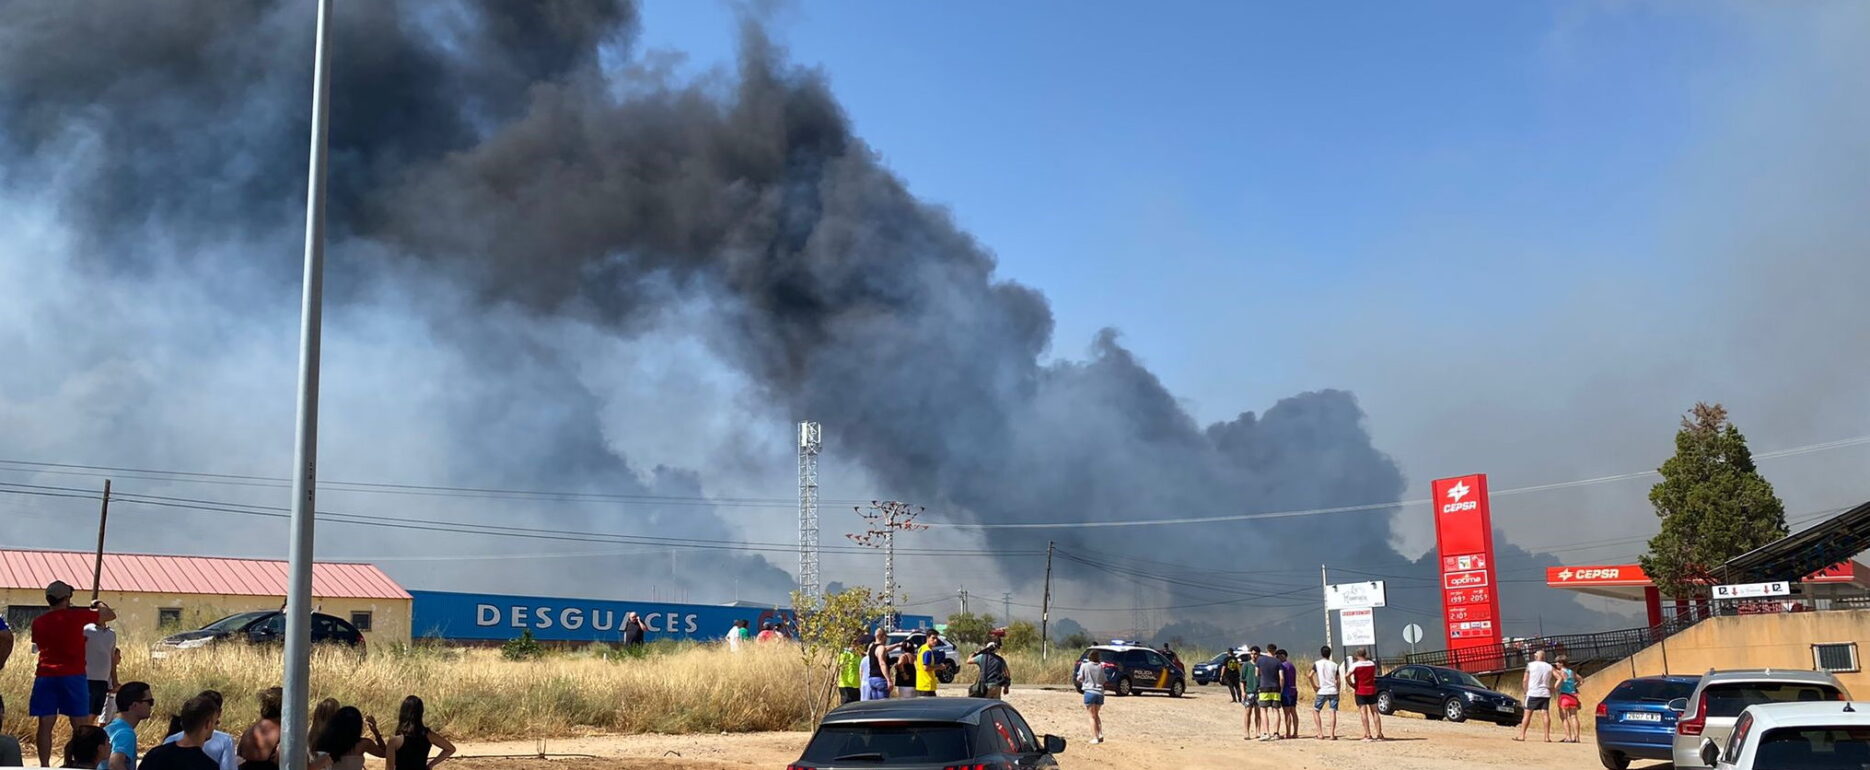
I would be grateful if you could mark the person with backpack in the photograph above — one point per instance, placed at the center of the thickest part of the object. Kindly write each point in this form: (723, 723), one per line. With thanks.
(994, 677)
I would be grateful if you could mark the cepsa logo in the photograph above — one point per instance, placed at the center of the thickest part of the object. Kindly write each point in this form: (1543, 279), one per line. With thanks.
(1457, 501)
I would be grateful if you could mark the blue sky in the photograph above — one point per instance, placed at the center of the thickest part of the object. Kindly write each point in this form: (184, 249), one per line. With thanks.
(1475, 215)
(1199, 170)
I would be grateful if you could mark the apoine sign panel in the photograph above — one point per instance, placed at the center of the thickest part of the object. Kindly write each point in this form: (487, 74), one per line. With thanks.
(1464, 541)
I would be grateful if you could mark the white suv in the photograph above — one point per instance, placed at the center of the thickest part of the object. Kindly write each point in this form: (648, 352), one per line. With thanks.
(1709, 714)
(1795, 735)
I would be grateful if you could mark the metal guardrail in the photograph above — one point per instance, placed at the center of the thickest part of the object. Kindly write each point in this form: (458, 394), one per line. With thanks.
(1580, 649)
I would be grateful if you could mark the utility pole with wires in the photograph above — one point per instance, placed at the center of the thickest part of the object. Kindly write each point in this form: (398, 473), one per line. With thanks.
(1045, 606)
(1325, 580)
(963, 594)
(103, 518)
(1006, 607)
(885, 518)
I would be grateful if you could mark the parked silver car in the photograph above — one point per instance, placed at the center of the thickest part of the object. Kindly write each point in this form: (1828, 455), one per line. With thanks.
(1709, 714)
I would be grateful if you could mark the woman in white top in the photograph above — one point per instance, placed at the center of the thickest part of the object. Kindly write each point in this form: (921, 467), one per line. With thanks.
(1091, 678)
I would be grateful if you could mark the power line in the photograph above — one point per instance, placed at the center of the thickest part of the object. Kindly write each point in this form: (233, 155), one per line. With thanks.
(427, 490)
(1807, 449)
(472, 528)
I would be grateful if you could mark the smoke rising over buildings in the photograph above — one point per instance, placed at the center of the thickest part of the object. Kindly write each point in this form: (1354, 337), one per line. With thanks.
(542, 247)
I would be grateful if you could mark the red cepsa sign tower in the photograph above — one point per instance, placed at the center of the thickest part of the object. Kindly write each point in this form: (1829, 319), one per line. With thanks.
(1470, 598)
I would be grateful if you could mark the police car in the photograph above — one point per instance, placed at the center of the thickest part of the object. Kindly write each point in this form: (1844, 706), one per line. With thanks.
(1130, 668)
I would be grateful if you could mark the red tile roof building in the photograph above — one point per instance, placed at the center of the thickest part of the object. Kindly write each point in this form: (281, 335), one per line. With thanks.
(149, 591)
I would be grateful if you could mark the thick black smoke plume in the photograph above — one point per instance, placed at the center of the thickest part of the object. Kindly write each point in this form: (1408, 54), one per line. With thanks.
(519, 150)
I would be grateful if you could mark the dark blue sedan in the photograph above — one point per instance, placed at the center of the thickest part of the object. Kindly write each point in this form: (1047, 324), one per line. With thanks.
(1634, 720)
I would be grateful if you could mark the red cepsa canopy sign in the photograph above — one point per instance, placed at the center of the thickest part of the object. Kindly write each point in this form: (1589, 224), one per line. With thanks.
(1464, 539)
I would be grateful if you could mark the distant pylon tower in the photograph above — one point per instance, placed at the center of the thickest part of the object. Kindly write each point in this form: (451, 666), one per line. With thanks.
(811, 439)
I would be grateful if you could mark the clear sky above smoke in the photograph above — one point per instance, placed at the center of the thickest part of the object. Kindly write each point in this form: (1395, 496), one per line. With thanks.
(1570, 218)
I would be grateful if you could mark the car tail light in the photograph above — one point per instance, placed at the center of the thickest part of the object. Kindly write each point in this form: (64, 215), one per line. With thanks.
(1603, 709)
(1699, 723)
(800, 767)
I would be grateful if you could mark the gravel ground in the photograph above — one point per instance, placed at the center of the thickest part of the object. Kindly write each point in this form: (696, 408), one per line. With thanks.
(1200, 731)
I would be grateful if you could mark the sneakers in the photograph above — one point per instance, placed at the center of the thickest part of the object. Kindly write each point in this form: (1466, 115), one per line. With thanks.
(1098, 739)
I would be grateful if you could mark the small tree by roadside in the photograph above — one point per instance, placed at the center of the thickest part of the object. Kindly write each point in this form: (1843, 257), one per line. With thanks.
(1713, 502)
(1021, 635)
(967, 628)
(827, 624)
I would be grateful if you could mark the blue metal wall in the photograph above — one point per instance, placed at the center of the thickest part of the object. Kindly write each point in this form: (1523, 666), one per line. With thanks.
(491, 617)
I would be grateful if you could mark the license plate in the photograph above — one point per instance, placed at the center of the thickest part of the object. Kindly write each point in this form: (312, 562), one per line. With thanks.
(1507, 709)
(1641, 716)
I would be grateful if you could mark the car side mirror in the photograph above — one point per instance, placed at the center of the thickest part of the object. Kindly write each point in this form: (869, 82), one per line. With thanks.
(1709, 752)
(1054, 744)
(1679, 705)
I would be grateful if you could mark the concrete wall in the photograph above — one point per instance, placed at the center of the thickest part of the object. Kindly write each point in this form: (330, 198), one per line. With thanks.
(138, 613)
(1744, 641)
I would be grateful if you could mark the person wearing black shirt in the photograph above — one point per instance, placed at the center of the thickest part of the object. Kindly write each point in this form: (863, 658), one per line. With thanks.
(633, 629)
(199, 718)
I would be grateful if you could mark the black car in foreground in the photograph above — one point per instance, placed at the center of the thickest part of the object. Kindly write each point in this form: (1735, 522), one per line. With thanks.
(927, 734)
(260, 627)
(1444, 693)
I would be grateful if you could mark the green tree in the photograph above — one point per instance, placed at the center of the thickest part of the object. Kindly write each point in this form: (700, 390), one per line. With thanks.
(1713, 503)
(968, 629)
(827, 626)
(1021, 635)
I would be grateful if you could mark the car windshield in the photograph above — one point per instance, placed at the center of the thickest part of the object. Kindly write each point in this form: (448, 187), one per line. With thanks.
(1218, 659)
(1461, 678)
(1728, 700)
(1814, 748)
(888, 743)
(234, 622)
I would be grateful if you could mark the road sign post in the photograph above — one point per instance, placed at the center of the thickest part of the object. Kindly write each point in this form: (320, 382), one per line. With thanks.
(1412, 633)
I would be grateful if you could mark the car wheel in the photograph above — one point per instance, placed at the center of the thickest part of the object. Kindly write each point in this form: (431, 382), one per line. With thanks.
(1386, 705)
(1454, 710)
(1124, 688)
(1176, 688)
(1614, 760)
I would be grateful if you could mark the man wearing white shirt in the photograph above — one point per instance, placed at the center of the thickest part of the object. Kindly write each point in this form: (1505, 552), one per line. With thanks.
(1538, 695)
(1324, 676)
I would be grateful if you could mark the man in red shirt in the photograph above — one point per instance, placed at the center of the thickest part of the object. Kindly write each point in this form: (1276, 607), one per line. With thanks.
(60, 686)
(1362, 676)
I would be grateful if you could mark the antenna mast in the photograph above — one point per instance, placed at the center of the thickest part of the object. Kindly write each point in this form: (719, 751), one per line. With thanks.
(811, 437)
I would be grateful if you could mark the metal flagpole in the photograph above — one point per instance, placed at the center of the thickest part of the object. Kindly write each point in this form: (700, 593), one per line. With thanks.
(293, 752)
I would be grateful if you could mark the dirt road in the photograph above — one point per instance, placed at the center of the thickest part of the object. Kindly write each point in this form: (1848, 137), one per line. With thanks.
(1200, 732)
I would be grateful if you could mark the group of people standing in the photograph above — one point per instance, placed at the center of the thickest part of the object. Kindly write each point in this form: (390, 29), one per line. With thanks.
(874, 668)
(77, 678)
(1267, 685)
(1265, 682)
